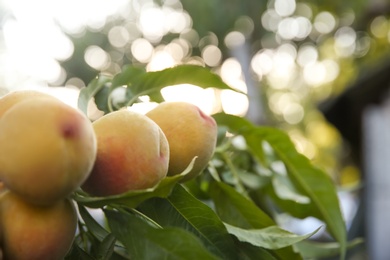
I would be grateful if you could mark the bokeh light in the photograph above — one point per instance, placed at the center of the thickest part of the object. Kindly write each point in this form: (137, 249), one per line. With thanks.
(324, 22)
(293, 52)
(142, 50)
(96, 57)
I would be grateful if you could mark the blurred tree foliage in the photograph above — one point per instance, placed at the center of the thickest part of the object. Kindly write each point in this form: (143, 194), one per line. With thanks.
(297, 54)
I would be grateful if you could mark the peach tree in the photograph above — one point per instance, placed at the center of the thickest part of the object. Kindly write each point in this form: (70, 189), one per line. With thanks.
(230, 211)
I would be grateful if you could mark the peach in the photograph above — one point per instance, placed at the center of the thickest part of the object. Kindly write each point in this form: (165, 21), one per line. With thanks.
(47, 149)
(190, 133)
(133, 154)
(12, 98)
(36, 232)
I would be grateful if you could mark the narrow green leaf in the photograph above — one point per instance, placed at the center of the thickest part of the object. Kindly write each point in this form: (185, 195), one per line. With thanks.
(270, 237)
(133, 198)
(183, 210)
(308, 179)
(311, 249)
(77, 252)
(151, 83)
(101, 234)
(126, 76)
(235, 209)
(234, 124)
(101, 99)
(106, 248)
(285, 190)
(250, 252)
(240, 125)
(294, 208)
(181, 74)
(146, 242)
(88, 92)
(92, 225)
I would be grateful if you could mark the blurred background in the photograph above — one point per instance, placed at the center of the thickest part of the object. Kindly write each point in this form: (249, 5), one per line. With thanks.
(319, 70)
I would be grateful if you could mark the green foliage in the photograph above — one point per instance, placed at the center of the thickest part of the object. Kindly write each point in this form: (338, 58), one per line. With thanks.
(228, 212)
(144, 241)
(272, 237)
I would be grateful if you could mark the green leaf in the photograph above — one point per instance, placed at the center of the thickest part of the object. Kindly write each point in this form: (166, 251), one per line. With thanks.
(285, 190)
(183, 210)
(308, 179)
(133, 198)
(181, 74)
(311, 249)
(106, 248)
(146, 242)
(92, 225)
(138, 82)
(126, 76)
(101, 234)
(270, 237)
(101, 98)
(88, 92)
(77, 252)
(151, 83)
(240, 126)
(235, 209)
(234, 124)
(249, 252)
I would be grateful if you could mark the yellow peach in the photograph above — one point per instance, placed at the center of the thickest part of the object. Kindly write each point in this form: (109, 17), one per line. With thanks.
(12, 98)
(133, 154)
(31, 232)
(190, 133)
(47, 149)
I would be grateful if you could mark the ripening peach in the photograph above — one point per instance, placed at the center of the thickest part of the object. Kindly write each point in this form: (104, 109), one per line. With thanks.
(12, 98)
(133, 154)
(31, 232)
(47, 149)
(190, 133)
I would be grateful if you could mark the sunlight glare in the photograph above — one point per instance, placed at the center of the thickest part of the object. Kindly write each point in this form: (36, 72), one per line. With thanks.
(307, 54)
(142, 50)
(293, 113)
(262, 62)
(96, 57)
(203, 98)
(234, 39)
(314, 73)
(176, 21)
(324, 22)
(68, 95)
(379, 26)
(118, 36)
(177, 49)
(285, 7)
(212, 55)
(270, 20)
(234, 103)
(161, 59)
(231, 70)
(345, 41)
(294, 28)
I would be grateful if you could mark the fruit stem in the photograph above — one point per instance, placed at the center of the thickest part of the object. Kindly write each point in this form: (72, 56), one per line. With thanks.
(134, 211)
(133, 99)
(213, 172)
(234, 172)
